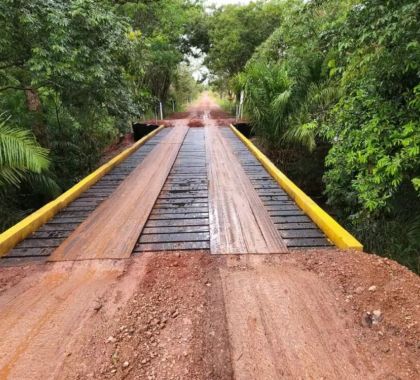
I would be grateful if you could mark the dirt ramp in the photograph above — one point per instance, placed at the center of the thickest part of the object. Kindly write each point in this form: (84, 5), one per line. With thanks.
(45, 312)
(283, 324)
(173, 327)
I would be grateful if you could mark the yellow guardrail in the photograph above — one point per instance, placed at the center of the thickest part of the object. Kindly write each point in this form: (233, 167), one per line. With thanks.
(334, 231)
(11, 237)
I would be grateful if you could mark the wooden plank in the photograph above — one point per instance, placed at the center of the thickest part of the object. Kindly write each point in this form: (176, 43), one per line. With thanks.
(300, 234)
(189, 215)
(239, 222)
(178, 237)
(181, 246)
(179, 210)
(39, 243)
(112, 230)
(291, 219)
(178, 222)
(314, 242)
(58, 227)
(296, 226)
(174, 229)
(30, 252)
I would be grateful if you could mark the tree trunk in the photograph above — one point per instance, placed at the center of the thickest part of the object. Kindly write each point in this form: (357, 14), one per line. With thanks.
(34, 106)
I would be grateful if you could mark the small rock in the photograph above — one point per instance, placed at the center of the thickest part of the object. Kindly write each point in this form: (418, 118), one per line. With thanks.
(359, 290)
(111, 339)
(366, 319)
(125, 364)
(376, 317)
(372, 288)
(175, 313)
(97, 306)
(114, 370)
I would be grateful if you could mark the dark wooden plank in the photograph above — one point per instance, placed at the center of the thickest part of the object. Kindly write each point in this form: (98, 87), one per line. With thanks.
(286, 213)
(190, 215)
(183, 194)
(181, 246)
(292, 234)
(30, 252)
(178, 237)
(291, 219)
(181, 201)
(58, 227)
(282, 207)
(50, 234)
(178, 222)
(173, 230)
(179, 210)
(39, 243)
(305, 243)
(188, 206)
(296, 226)
(63, 219)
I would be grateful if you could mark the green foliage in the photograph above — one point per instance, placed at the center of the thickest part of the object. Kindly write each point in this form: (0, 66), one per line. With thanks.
(375, 126)
(338, 83)
(19, 154)
(75, 74)
(235, 31)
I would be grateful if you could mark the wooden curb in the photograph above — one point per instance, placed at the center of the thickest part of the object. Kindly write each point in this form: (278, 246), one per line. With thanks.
(334, 231)
(15, 234)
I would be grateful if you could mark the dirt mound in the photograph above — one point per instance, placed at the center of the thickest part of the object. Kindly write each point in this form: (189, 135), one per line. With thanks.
(195, 123)
(219, 114)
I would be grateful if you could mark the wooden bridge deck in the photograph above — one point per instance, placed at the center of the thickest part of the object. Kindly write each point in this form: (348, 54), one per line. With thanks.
(205, 191)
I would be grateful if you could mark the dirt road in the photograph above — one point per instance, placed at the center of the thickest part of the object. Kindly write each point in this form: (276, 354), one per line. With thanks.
(320, 314)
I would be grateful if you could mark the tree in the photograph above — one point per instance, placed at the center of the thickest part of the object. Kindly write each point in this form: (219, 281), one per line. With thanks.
(236, 31)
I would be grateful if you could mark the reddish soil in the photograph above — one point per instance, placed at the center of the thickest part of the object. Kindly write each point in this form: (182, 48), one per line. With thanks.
(200, 316)
(195, 123)
(113, 150)
(318, 314)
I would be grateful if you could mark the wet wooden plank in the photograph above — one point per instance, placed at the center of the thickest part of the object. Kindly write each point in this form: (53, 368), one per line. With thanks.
(39, 243)
(238, 220)
(296, 226)
(177, 237)
(291, 219)
(111, 231)
(50, 234)
(189, 215)
(286, 213)
(174, 229)
(295, 234)
(179, 210)
(314, 242)
(30, 252)
(282, 207)
(178, 222)
(181, 246)
(58, 227)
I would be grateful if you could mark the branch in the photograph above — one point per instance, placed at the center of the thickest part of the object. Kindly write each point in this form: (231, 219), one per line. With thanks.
(15, 88)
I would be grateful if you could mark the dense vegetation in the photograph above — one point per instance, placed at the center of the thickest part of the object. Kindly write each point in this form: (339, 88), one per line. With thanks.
(73, 75)
(333, 95)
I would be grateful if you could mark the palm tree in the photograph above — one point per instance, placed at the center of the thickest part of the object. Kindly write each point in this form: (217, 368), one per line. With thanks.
(20, 154)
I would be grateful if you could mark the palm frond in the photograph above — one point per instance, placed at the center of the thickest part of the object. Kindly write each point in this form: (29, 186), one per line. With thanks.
(303, 134)
(19, 153)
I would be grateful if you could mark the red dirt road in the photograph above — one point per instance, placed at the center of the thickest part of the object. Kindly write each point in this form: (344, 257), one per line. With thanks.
(320, 314)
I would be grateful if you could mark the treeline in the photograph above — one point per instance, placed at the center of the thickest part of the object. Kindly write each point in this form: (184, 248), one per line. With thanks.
(332, 90)
(73, 75)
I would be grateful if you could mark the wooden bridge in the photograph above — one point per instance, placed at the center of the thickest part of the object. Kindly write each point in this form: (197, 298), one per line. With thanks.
(179, 188)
